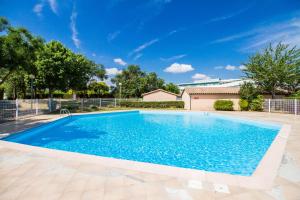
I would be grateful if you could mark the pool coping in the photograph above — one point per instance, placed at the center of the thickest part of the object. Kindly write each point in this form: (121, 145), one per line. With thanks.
(262, 178)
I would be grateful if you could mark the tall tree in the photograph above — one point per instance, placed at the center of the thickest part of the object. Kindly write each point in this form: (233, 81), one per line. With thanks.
(135, 82)
(152, 82)
(53, 65)
(16, 85)
(276, 68)
(18, 50)
(97, 89)
(82, 70)
(61, 69)
(132, 80)
(171, 87)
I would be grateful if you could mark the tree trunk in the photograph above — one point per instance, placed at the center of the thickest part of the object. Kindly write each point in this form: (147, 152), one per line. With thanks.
(50, 93)
(273, 94)
(6, 77)
(1, 93)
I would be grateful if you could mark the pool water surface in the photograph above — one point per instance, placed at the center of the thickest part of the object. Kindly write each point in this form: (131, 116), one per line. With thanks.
(194, 140)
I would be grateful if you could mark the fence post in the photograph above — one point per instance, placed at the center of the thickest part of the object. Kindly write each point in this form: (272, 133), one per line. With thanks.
(17, 109)
(100, 103)
(82, 104)
(50, 105)
(36, 106)
(115, 102)
(295, 107)
(269, 105)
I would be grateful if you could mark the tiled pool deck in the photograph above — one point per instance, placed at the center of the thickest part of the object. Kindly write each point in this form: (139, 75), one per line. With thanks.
(33, 173)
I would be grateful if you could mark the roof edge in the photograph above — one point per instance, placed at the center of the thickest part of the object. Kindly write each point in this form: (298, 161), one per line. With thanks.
(161, 90)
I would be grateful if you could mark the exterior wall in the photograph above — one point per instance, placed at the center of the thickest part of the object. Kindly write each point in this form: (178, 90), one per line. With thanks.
(187, 100)
(159, 96)
(206, 101)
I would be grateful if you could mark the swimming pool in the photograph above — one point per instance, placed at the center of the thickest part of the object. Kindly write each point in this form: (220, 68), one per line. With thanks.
(194, 140)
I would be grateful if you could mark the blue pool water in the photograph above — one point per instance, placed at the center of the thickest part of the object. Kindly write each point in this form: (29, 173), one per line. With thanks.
(190, 140)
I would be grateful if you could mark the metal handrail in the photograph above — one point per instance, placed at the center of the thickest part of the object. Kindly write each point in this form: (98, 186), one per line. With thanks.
(65, 111)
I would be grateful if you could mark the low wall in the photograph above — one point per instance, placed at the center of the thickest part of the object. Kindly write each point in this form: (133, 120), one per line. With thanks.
(159, 96)
(206, 102)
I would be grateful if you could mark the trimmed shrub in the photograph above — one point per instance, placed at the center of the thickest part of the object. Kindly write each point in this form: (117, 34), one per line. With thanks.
(244, 105)
(152, 104)
(257, 104)
(226, 105)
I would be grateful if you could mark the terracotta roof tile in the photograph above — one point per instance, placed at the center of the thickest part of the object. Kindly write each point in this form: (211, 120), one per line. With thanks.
(213, 90)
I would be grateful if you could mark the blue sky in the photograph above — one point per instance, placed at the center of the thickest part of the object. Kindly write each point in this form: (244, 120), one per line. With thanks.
(182, 41)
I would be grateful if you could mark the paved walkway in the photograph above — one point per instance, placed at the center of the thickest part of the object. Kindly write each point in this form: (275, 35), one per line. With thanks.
(30, 175)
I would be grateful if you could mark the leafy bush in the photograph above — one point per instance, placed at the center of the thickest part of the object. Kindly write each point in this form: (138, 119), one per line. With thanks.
(257, 104)
(244, 104)
(226, 105)
(295, 95)
(152, 104)
(248, 91)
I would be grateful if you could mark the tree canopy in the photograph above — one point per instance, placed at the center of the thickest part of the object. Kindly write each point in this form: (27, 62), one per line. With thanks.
(18, 48)
(135, 82)
(276, 69)
(61, 69)
(97, 89)
(171, 87)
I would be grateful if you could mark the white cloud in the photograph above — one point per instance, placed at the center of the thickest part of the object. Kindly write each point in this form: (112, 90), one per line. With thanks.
(287, 31)
(173, 57)
(137, 56)
(172, 32)
(73, 18)
(53, 5)
(199, 76)
(230, 67)
(112, 36)
(242, 67)
(177, 68)
(38, 8)
(144, 46)
(119, 61)
(219, 67)
(112, 71)
(229, 16)
(234, 37)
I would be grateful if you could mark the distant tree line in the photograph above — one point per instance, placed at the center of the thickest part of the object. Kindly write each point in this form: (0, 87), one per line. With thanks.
(135, 82)
(29, 66)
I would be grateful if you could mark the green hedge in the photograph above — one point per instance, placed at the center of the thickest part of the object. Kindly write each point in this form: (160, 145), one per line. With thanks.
(244, 105)
(223, 105)
(152, 104)
(257, 104)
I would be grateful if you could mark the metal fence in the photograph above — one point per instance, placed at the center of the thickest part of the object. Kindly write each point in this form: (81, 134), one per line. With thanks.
(21, 108)
(290, 106)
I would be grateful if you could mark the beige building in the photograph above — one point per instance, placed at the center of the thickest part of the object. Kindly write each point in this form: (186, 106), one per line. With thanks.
(203, 98)
(160, 95)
